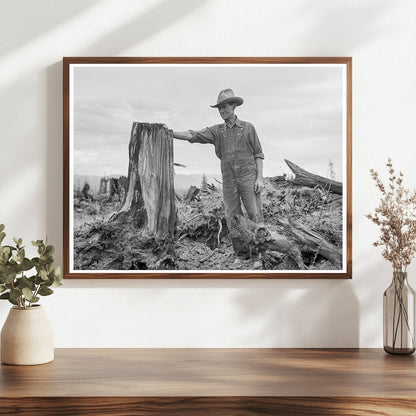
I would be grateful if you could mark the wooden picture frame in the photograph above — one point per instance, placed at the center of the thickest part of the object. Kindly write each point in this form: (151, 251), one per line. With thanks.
(301, 109)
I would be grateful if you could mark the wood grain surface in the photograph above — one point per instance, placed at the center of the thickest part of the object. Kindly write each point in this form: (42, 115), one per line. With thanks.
(212, 381)
(208, 406)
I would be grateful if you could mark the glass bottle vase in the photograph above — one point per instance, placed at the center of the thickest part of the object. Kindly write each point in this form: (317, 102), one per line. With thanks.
(399, 316)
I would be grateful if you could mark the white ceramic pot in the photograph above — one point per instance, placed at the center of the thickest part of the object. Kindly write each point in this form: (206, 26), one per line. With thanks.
(27, 337)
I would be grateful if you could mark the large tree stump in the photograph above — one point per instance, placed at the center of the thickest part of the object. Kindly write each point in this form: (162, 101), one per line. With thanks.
(150, 197)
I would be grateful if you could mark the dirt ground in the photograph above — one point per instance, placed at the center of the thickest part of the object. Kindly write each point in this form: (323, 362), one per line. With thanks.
(201, 241)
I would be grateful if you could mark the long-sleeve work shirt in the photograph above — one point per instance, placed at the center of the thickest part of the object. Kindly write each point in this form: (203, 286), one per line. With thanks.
(238, 141)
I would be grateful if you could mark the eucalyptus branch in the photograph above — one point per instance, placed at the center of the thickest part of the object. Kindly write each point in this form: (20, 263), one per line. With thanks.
(16, 287)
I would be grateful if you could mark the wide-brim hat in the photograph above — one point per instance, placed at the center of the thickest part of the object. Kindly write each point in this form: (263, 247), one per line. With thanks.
(227, 96)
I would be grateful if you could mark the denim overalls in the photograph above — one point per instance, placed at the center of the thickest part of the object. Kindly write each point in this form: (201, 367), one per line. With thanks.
(236, 146)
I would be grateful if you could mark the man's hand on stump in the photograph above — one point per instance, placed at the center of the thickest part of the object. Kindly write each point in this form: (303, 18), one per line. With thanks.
(170, 131)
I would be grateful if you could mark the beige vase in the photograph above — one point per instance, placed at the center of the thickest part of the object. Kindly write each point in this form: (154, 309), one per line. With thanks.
(27, 337)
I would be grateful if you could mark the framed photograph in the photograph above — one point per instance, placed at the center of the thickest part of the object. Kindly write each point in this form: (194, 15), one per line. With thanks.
(207, 168)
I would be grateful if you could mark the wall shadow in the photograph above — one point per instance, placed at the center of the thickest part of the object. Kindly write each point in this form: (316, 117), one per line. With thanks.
(54, 146)
(301, 313)
(336, 18)
(44, 17)
(161, 15)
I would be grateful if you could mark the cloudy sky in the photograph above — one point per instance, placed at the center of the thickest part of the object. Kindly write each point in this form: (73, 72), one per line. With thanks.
(296, 110)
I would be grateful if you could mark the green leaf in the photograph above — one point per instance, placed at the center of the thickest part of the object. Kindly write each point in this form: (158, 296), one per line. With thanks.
(14, 268)
(21, 255)
(49, 250)
(15, 294)
(2, 236)
(26, 264)
(45, 291)
(43, 274)
(5, 250)
(45, 260)
(58, 280)
(2, 288)
(48, 261)
(2, 227)
(14, 302)
(37, 243)
(24, 282)
(38, 280)
(8, 277)
(4, 255)
(18, 242)
(27, 293)
(7, 297)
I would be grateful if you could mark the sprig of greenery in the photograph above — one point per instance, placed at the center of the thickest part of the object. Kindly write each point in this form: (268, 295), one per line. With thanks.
(396, 217)
(15, 285)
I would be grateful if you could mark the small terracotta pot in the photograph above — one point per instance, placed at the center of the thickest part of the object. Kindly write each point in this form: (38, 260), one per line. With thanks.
(27, 337)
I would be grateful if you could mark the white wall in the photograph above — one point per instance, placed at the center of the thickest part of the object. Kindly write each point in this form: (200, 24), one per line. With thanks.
(380, 35)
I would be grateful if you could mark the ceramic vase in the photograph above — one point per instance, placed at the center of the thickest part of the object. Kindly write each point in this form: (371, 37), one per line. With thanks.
(27, 337)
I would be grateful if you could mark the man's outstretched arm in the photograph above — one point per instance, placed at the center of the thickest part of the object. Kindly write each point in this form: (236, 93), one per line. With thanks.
(200, 136)
(182, 135)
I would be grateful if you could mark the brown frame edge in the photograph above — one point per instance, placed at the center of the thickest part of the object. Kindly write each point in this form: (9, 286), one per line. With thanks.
(201, 60)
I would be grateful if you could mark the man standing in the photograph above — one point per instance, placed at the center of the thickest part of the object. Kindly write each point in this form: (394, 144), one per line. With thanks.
(238, 147)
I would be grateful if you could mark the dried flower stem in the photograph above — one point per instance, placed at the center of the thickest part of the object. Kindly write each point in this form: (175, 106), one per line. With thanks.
(396, 216)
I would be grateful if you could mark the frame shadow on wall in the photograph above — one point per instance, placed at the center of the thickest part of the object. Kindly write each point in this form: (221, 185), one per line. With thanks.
(303, 315)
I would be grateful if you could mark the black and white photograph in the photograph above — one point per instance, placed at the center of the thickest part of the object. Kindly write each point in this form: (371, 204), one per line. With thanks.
(233, 168)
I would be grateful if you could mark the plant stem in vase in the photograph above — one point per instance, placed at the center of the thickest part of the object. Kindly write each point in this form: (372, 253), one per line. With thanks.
(399, 316)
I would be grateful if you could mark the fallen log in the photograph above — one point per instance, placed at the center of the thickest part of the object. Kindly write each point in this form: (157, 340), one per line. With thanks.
(311, 242)
(272, 241)
(150, 199)
(303, 177)
(290, 240)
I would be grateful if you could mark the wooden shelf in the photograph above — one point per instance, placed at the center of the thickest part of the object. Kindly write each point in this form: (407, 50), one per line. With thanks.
(212, 382)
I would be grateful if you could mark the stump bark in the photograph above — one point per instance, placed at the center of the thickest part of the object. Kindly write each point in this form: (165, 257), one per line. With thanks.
(150, 198)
